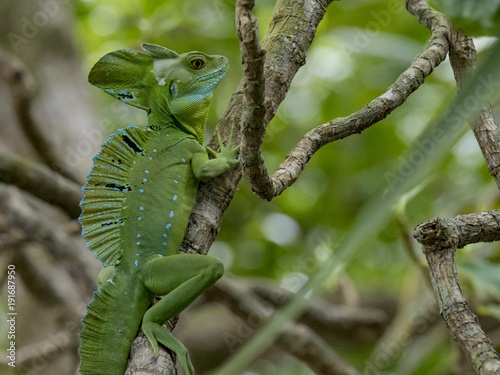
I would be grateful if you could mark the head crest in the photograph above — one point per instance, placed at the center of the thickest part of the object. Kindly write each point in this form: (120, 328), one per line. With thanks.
(127, 74)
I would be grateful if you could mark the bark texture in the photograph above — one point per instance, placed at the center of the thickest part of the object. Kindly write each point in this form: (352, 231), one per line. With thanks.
(440, 238)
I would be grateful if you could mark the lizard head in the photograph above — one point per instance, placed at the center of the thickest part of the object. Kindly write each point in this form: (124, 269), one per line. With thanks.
(174, 89)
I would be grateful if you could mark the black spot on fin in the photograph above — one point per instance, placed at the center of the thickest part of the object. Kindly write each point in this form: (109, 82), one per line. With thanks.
(131, 144)
(125, 187)
(123, 96)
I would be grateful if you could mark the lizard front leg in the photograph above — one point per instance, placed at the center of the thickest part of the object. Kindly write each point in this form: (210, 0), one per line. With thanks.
(205, 168)
(180, 278)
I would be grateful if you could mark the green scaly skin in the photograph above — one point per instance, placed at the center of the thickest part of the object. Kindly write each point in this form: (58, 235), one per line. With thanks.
(138, 199)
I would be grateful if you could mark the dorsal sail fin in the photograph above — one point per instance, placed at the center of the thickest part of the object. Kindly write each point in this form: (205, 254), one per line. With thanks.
(102, 217)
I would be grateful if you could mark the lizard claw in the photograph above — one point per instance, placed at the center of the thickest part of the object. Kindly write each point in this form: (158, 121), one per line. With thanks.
(227, 152)
(214, 154)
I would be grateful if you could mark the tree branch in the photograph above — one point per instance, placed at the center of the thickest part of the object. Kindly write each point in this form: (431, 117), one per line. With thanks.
(297, 339)
(23, 88)
(41, 182)
(143, 362)
(402, 222)
(36, 226)
(291, 32)
(342, 317)
(375, 111)
(440, 238)
(254, 110)
(286, 43)
(463, 62)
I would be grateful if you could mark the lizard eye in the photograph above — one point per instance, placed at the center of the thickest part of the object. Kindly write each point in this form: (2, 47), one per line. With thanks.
(197, 64)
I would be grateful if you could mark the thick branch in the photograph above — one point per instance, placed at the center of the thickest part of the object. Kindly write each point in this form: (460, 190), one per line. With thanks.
(463, 62)
(352, 319)
(32, 221)
(297, 339)
(254, 109)
(41, 182)
(464, 230)
(286, 43)
(440, 238)
(143, 362)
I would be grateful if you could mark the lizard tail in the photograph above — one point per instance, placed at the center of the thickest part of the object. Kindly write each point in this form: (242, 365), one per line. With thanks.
(110, 326)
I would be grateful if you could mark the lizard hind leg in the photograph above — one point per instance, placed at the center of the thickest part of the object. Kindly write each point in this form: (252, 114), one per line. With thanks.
(180, 278)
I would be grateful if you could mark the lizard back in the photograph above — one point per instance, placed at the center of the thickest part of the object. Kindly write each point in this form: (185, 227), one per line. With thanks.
(139, 195)
(137, 201)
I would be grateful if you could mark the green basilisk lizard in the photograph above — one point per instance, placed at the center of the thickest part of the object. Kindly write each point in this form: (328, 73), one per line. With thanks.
(138, 199)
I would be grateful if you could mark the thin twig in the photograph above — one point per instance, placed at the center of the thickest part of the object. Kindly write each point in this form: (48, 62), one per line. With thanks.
(402, 222)
(405, 328)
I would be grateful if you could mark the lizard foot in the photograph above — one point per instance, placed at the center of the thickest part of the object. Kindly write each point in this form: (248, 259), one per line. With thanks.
(157, 334)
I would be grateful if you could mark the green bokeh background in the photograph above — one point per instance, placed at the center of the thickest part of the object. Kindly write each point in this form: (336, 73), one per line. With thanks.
(359, 50)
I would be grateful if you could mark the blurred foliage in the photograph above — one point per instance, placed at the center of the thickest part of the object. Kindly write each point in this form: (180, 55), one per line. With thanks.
(476, 17)
(359, 50)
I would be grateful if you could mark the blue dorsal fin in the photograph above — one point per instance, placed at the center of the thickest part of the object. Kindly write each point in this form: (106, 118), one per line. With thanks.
(102, 217)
